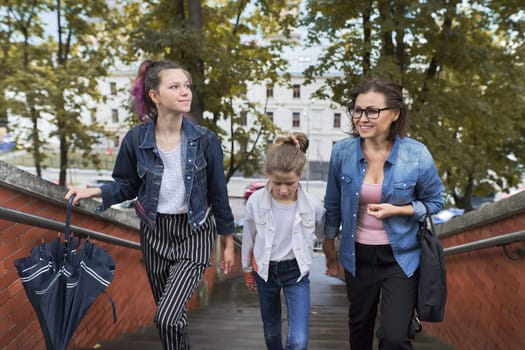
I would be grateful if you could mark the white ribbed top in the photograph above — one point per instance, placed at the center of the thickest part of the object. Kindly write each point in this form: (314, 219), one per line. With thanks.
(283, 215)
(172, 197)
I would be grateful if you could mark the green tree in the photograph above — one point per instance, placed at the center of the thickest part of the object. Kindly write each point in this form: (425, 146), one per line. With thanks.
(461, 65)
(56, 76)
(216, 41)
(27, 78)
(85, 50)
(7, 30)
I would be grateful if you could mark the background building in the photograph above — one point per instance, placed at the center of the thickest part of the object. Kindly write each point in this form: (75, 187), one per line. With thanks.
(291, 107)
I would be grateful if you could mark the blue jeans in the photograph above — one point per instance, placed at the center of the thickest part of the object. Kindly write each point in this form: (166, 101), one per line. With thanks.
(283, 275)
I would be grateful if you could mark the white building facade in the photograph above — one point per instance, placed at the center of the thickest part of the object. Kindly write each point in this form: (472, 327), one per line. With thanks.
(294, 109)
(291, 107)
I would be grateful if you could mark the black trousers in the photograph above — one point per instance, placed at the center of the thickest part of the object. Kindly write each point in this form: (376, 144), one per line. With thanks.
(379, 279)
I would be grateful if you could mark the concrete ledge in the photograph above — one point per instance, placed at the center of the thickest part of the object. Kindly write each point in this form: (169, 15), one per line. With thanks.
(28, 183)
(487, 214)
(23, 181)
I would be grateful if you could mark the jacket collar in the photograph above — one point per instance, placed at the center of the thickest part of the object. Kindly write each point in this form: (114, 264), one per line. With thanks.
(303, 206)
(190, 131)
(392, 156)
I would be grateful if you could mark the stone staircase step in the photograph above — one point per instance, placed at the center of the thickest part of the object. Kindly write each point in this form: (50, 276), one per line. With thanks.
(232, 320)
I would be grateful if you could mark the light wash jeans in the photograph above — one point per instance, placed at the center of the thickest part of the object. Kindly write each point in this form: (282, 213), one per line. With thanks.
(283, 276)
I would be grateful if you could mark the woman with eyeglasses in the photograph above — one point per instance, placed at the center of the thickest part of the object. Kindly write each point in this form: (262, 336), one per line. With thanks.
(379, 183)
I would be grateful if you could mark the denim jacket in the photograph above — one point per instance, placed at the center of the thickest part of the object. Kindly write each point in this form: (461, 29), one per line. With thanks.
(410, 177)
(259, 230)
(138, 173)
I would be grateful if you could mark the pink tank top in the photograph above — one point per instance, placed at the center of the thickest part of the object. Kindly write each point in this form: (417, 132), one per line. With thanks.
(369, 229)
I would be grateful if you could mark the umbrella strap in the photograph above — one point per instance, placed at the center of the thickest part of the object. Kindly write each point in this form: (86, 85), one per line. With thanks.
(114, 309)
(67, 229)
(68, 217)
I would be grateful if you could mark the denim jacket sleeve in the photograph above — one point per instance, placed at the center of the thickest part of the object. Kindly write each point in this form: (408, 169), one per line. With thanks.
(126, 182)
(217, 189)
(332, 199)
(429, 188)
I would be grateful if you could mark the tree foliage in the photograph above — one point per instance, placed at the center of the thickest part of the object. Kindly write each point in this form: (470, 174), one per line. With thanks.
(462, 67)
(460, 63)
(54, 77)
(219, 42)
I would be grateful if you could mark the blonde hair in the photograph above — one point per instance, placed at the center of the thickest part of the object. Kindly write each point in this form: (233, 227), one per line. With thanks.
(287, 153)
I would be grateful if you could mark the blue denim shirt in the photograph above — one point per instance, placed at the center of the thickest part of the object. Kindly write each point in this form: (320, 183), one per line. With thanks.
(410, 177)
(138, 173)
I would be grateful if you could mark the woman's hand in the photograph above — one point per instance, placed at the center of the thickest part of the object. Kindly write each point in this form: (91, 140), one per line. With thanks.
(82, 193)
(332, 262)
(383, 211)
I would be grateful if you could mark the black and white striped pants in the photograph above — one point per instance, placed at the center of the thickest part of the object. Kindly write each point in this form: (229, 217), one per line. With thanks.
(175, 258)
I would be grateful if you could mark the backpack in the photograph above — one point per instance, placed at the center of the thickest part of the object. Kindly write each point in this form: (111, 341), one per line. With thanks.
(432, 285)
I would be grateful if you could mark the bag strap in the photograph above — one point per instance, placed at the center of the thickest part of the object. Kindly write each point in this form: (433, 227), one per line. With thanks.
(428, 218)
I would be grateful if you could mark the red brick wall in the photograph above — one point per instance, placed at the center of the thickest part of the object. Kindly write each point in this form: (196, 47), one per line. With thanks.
(486, 292)
(19, 328)
(486, 289)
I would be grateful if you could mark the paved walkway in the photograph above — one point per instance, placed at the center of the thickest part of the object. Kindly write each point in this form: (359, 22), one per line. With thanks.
(232, 319)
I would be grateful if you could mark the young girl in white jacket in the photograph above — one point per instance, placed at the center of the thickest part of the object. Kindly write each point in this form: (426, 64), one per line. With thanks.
(277, 242)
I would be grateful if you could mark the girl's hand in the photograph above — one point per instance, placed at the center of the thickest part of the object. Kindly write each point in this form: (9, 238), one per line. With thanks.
(249, 280)
(82, 193)
(229, 255)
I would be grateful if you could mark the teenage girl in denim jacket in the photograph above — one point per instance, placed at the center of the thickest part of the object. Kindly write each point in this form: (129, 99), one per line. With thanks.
(378, 185)
(277, 243)
(174, 168)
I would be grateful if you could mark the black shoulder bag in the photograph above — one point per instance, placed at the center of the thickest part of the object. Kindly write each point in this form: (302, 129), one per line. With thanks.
(432, 287)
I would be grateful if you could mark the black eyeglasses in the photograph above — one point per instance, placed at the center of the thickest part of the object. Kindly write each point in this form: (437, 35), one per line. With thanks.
(370, 112)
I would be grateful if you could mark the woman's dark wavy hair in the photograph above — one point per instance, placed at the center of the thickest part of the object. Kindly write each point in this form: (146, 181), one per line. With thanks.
(148, 78)
(393, 98)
